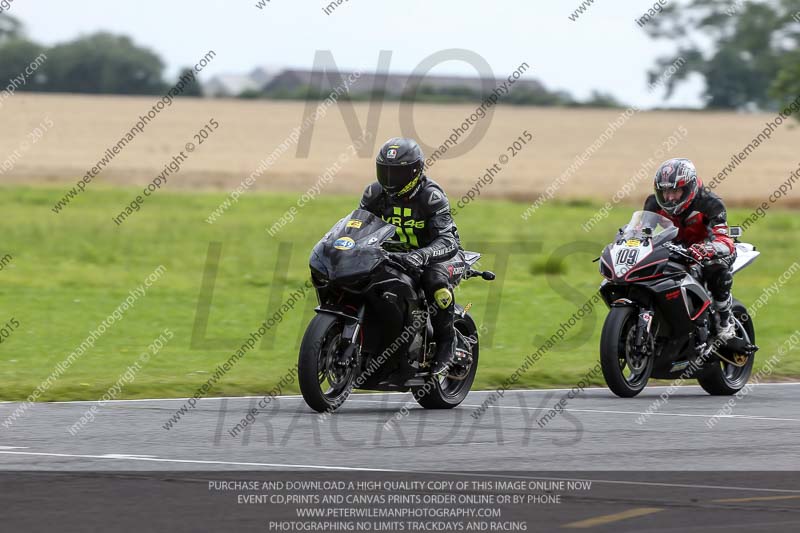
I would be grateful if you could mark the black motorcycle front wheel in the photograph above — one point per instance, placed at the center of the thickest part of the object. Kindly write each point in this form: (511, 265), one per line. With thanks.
(324, 381)
(626, 372)
(723, 378)
(445, 392)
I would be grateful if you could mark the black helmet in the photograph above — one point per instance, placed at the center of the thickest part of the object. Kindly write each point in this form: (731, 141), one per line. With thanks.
(400, 164)
(677, 174)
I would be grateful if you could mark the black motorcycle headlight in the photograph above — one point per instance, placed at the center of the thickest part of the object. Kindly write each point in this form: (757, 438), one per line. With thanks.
(318, 278)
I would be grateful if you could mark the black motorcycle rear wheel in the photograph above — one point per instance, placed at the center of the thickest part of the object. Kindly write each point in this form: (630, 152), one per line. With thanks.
(444, 392)
(617, 354)
(325, 385)
(723, 378)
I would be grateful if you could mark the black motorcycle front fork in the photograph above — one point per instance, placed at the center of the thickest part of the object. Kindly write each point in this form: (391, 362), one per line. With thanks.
(643, 327)
(351, 334)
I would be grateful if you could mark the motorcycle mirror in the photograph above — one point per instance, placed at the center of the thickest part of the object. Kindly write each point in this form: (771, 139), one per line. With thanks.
(487, 275)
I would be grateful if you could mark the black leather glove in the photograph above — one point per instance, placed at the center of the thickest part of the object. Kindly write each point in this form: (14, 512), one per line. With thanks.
(415, 259)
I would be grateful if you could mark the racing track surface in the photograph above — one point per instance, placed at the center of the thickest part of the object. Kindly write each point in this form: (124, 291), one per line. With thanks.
(598, 431)
(597, 435)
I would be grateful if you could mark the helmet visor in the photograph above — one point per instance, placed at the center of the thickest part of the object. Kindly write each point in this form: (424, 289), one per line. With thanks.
(395, 179)
(672, 197)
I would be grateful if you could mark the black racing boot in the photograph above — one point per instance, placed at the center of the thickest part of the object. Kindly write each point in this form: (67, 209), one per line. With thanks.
(443, 360)
(444, 333)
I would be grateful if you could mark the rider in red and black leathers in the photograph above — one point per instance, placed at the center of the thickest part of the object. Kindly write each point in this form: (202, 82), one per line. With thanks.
(702, 224)
(418, 206)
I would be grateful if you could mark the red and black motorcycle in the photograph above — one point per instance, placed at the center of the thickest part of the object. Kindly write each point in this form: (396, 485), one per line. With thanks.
(662, 323)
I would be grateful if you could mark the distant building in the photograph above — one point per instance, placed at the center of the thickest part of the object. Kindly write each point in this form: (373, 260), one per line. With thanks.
(392, 84)
(236, 84)
(262, 76)
(229, 85)
(292, 80)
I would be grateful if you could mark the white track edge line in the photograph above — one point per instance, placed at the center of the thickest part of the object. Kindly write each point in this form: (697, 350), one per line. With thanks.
(295, 396)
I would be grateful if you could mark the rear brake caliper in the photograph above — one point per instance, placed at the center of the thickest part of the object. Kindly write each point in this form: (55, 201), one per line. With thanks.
(462, 357)
(463, 351)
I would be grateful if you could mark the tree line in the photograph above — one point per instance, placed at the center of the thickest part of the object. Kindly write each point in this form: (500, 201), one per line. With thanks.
(100, 63)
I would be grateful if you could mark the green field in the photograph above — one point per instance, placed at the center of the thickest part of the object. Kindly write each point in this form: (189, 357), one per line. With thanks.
(69, 271)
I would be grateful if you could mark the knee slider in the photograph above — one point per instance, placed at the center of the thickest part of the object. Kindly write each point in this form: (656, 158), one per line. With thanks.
(443, 297)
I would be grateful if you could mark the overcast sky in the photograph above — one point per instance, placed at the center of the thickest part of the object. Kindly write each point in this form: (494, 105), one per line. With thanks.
(604, 49)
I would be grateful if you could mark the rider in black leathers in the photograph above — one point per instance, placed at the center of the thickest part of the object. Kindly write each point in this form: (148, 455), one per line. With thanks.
(406, 197)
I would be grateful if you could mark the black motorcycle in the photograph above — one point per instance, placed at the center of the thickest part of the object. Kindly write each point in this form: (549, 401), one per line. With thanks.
(372, 329)
(662, 323)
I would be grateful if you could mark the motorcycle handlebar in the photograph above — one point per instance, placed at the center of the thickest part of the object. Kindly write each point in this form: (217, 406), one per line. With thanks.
(405, 267)
(681, 251)
(416, 272)
(486, 274)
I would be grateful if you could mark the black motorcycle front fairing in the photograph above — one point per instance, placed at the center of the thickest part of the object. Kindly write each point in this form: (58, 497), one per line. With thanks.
(351, 249)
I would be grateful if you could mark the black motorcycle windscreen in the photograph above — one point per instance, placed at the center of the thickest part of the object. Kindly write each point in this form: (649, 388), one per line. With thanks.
(352, 248)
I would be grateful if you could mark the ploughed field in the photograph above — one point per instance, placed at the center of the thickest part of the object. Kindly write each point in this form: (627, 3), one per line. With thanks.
(85, 127)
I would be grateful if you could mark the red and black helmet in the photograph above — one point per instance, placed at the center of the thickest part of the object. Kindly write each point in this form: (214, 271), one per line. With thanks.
(676, 174)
